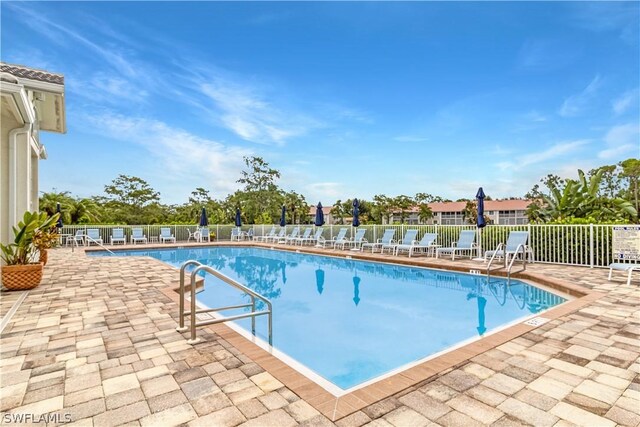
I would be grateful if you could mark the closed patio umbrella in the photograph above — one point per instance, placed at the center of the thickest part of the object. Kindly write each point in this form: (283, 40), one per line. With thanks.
(204, 221)
(59, 223)
(356, 213)
(319, 215)
(480, 197)
(238, 219)
(283, 218)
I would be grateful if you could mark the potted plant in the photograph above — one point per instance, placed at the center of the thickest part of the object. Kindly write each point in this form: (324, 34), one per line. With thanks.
(45, 238)
(21, 271)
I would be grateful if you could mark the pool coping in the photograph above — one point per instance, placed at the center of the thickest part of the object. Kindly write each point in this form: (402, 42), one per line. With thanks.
(336, 408)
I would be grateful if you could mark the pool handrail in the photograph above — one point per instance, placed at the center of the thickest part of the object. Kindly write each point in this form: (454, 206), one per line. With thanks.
(193, 311)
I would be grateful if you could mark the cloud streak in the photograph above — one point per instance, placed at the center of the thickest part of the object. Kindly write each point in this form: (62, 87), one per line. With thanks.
(620, 140)
(554, 152)
(574, 105)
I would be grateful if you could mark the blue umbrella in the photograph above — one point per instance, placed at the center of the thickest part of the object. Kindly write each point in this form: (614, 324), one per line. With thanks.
(238, 219)
(356, 213)
(319, 215)
(204, 221)
(480, 196)
(59, 223)
(283, 218)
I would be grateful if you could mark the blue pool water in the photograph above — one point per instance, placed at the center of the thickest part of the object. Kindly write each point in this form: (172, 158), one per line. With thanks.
(350, 321)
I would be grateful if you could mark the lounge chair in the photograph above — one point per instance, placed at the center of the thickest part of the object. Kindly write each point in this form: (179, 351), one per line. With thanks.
(248, 235)
(236, 234)
(291, 237)
(166, 236)
(626, 267)
(387, 239)
(424, 245)
(465, 243)
(265, 237)
(516, 243)
(357, 242)
(408, 240)
(305, 235)
(204, 234)
(192, 235)
(117, 236)
(137, 236)
(316, 238)
(78, 238)
(276, 238)
(93, 236)
(337, 239)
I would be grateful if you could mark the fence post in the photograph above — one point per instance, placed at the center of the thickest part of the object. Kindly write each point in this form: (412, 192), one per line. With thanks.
(591, 252)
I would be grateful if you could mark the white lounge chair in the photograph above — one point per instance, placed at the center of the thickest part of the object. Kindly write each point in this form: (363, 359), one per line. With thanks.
(166, 236)
(305, 235)
(316, 238)
(424, 245)
(192, 235)
(137, 236)
(117, 236)
(408, 239)
(357, 242)
(291, 237)
(337, 239)
(281, 235)
(93, 236)
(387, 239)
(236, 234)
(516, 244)
(267, 236)
(465, 243)
(204, 234)
(78, 238)
(626, 267)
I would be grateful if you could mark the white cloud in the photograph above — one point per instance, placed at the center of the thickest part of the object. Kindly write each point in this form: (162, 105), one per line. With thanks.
(620, 140)
(535, 116)
(574, 105)
(184, 157)
(555, 151)
(327, 191)
(245, 111)
(626, 101)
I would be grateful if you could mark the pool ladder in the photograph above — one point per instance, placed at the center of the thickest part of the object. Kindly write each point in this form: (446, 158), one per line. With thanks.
(192, 313)
(520, 249)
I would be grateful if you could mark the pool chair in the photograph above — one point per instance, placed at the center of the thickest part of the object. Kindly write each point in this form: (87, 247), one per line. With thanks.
(305, 235)
(137, 236)
(316, 238)
(276, 238)
(516, 244)
(465, 243)
(408, 240)
(117, 236)
(236, 234)
(205, 234)
(626, 267)
(192, 235)
(387, 239)
(93, 236)
(337, 239)
(265, 237)
(356, 243)
(291, 237)
(166, 236)
(426, 245)
(248, 235)
(78, 238)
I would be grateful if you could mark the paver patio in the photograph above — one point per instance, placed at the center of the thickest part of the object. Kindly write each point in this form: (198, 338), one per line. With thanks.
(97, 341)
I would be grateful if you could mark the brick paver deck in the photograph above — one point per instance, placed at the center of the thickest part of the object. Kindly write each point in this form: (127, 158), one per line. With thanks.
(97, 341)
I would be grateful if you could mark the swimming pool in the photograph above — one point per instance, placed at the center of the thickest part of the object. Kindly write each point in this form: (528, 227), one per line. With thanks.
(350, 321)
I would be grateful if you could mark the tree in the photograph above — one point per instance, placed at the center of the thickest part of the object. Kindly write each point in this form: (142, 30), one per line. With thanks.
(403, 205)
(339, 212)
(261, 193)
(631, 172)
(382, 208)
(133, 201)
(297, 207)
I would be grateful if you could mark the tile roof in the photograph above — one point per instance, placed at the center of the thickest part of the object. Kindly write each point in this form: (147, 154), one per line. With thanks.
(31, 73)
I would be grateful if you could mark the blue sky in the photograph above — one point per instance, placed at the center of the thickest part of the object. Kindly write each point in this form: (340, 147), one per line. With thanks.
(345, 99)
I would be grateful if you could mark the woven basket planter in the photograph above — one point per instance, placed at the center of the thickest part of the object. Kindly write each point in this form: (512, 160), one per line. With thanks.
(21, 277)
(44, 256)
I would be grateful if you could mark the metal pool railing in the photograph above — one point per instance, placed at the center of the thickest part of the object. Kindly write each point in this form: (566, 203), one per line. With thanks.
(582, 245)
